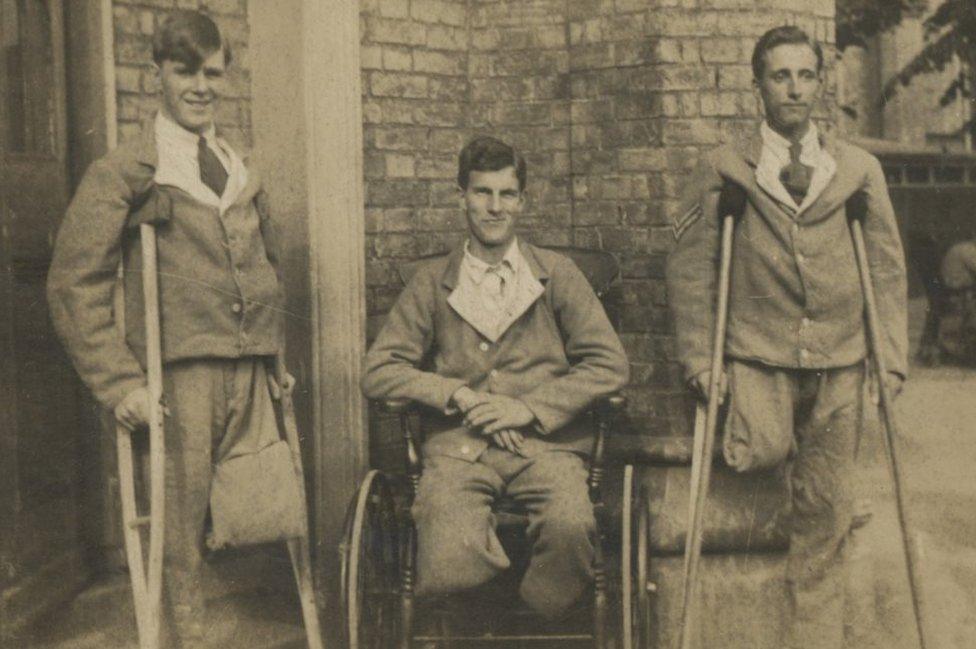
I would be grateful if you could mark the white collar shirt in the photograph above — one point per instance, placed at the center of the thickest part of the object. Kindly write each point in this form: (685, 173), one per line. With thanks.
(775, 156)
(490, 297)
(179, 166)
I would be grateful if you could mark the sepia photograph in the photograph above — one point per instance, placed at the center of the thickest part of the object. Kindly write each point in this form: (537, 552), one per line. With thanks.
(449, 324)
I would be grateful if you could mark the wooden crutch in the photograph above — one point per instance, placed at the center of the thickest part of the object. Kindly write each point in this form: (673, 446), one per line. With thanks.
(731, 205)
(298, 547)
(146, 582)
(857, 210)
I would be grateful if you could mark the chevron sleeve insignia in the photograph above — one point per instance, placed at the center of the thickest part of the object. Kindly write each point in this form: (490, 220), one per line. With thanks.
(686, 220)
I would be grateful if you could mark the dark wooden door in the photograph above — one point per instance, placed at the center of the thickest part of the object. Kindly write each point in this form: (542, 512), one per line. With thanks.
(41, 412)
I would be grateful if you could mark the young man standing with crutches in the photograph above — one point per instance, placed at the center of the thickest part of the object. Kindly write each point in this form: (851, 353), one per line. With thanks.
(795, 344)
(220, 296)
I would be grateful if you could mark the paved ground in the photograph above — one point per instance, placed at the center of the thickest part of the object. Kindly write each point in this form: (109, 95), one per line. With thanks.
(937, 416)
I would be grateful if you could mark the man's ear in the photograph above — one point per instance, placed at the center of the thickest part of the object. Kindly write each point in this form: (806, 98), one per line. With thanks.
(757, 95)
(461, 191)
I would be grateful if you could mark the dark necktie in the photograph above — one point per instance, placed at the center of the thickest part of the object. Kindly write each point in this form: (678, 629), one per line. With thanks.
(796, 175)
(212, 172)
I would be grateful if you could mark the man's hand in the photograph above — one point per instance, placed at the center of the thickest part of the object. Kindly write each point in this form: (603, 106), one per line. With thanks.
(894, 382)
(497, 413)
(287, 385)
(133, 411)
(464, 398)
(510, 440)
(701, 382)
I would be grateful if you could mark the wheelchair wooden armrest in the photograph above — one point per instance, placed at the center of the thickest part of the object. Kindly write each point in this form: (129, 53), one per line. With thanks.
(397, 406)
(612, 404)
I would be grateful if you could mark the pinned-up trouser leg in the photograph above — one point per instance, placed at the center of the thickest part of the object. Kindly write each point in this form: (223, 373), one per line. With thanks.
(216, 407)
(457, 547)
(813, 416)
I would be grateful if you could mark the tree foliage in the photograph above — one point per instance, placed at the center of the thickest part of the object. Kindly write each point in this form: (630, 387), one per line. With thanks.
(950, 40)
(859, 20)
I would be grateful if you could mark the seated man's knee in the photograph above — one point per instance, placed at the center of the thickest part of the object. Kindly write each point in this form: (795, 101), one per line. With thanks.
(456, 546)
(570, 523)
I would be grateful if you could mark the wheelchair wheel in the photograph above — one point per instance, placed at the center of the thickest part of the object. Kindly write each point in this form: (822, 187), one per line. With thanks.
(370, 567)
(635, 598)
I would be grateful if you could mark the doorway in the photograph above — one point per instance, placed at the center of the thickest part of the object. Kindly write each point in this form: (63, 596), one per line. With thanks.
(44, 420)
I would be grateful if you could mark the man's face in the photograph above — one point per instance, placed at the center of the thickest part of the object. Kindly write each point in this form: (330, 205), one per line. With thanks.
(789, 87)
(492, 204)
(190, 97)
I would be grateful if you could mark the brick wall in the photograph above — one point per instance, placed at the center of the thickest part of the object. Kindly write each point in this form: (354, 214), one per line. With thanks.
(415, 89)
(611, 101)
(136, 84)
(519, 72)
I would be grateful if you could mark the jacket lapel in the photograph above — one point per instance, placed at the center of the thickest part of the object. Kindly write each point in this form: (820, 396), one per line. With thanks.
(466, 302)
(768, 178)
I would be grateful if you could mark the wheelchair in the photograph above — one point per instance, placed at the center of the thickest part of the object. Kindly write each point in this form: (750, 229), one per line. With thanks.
(379, 542)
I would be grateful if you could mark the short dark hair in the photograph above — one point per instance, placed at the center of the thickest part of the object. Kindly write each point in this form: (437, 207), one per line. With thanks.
(485, 153)
(188, 37)
(783, 35)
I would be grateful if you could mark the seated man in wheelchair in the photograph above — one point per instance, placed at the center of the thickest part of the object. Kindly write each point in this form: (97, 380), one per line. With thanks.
(506, 344)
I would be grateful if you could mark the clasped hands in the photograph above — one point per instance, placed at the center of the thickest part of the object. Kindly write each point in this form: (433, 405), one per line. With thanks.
(494, 415)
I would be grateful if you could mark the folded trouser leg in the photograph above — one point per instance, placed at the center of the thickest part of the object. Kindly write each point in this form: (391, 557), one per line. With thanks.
(553, 490)
(821, 481)
(457, 547)
(759, 424)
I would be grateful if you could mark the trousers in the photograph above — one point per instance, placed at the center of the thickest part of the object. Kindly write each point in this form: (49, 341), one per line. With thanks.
(216, 407)
(457, 547)
(810, 419)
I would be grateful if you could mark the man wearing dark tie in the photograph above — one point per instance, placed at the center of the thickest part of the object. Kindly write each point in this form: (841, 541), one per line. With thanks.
(795, 344)
(220, 295)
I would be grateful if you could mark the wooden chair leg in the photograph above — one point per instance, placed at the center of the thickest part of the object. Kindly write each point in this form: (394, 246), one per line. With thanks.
(406, 587)
(599, 598)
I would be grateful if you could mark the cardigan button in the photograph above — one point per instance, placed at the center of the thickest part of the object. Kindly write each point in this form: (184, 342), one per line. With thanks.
(236, 307)
(483, 346)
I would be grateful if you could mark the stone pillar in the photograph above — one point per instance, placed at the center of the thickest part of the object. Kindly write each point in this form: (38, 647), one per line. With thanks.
(308, 123)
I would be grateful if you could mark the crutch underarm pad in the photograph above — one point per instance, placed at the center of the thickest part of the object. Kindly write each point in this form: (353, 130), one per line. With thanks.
(857, 206)
(731, 200)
